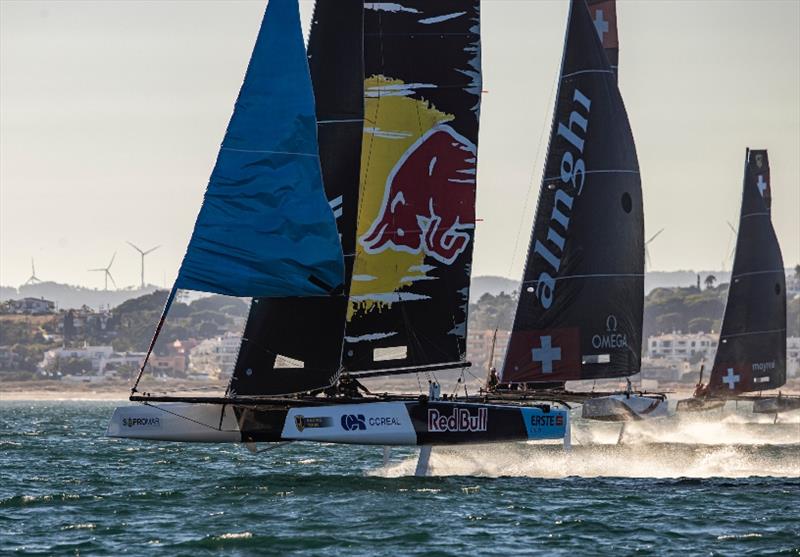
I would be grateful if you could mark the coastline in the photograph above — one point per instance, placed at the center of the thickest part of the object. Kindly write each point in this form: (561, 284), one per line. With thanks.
(54, 391)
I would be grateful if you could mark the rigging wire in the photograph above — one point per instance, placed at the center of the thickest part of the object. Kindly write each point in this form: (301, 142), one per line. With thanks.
(546, 125)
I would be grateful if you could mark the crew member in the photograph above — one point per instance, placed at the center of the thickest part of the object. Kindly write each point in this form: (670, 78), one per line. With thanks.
(494, 380)
(350, 386)
(700, 390)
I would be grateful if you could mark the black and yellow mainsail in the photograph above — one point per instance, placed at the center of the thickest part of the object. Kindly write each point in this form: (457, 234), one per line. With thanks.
(398, 131)
(751, 354)
(580, 307)
(416, 216)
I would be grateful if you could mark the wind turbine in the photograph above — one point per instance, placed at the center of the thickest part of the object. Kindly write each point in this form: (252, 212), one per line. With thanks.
(646, 251)
(107, 271)
(733, 249)
(142, 253)
(33, 279)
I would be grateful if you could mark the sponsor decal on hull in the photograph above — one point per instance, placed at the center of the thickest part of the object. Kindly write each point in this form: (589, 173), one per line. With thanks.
(301, 422)
(545, 425)
(370, 423)
(460, 420)
(146, 422)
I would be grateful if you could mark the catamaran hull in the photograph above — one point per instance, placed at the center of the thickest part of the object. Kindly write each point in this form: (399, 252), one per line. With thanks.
(776, 405)
(368, 423)
(699, 404)
(622, 408)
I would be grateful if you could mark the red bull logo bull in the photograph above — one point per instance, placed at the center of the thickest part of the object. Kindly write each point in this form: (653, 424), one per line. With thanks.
(428, 203)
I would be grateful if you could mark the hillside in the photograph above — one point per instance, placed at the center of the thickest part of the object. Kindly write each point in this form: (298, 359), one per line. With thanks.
(665, 310)
(67, 296)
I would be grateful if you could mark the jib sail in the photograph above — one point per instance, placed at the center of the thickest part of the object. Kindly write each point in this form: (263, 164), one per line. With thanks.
(295, 344)
(422, 91)
(581, 300)
(265, 228)
(751, 354)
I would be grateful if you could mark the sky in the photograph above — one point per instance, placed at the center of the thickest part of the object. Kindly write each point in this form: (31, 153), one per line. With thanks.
(111, 115)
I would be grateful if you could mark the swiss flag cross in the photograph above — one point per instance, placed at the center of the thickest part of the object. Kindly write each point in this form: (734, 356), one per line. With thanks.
(545, 355)
(604, 16)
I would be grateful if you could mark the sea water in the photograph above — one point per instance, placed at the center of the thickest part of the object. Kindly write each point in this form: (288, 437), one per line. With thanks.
(728, 485)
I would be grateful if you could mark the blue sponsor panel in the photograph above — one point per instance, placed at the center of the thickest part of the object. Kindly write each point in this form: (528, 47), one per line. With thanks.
(539, 424)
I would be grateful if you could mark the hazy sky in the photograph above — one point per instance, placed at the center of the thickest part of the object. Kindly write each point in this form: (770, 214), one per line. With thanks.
(111, 114)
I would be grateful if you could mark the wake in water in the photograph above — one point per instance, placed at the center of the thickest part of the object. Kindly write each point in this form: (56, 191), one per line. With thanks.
(735, 445)
(693, 429)
(632, 461)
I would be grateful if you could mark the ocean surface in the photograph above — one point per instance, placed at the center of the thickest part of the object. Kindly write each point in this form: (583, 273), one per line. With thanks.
(723, 486)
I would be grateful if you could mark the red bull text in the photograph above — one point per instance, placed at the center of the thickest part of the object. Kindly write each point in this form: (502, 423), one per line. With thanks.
(460, 420)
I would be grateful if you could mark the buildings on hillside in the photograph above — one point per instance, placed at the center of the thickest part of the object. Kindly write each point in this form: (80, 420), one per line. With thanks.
(682, 346)
(88, 360)
(29, 306)
(215, 356)
(792, 285)
(479, 349)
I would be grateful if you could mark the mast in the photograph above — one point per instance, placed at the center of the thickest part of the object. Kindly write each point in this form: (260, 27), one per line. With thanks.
(579, 314)
(422, 90)
(751, 354)
(294, 344)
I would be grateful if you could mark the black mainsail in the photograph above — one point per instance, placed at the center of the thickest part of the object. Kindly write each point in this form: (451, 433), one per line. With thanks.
(422, 90)
(294, 344)
(751, 354)
(580, 307)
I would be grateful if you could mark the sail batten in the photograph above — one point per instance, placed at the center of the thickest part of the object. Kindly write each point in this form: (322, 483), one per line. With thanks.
(579, 314)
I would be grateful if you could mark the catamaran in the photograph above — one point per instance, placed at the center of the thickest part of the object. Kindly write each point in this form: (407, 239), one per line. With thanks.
(751, 353)
(579, 314)
(343, 204)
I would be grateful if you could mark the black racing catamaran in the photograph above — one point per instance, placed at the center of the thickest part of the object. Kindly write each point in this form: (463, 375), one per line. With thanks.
(751, 353)
(580, 307)
(375, 281)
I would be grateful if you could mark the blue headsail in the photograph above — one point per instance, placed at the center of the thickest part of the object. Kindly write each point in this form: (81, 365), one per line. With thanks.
(265, 228)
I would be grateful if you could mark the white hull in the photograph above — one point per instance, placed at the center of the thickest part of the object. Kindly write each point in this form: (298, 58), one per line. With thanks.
(175, 421)
(402, 422)
(621, 408)
(776, 405)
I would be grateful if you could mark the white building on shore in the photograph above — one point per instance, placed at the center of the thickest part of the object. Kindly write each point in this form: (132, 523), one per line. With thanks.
(215, 356)
(679, 346)
(100, 360)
